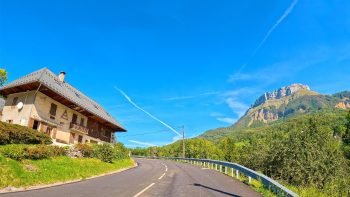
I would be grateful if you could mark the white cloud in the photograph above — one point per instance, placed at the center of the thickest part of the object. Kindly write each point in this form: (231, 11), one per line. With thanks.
(144, 144)
(222, 118)
(216, 114)
(227, 120)
(176, 138)
(238, 107)
(179, 98)
(191, 96)
(240, 77)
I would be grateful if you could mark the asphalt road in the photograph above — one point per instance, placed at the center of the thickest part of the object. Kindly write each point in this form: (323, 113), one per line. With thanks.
(150, 179)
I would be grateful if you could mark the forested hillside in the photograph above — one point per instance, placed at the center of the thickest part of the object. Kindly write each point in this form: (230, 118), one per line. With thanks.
(305, 143)
(310, 152)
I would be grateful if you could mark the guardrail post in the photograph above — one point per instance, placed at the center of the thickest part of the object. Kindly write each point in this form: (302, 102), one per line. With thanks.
(232, 172)
(212, 166)
(237, 174)
(225, 170)
(220, 168)
(216, 167)
(249, 179)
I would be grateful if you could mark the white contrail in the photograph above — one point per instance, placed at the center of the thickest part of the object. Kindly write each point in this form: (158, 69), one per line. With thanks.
(142, 143)
(146, 112)
(284, 15)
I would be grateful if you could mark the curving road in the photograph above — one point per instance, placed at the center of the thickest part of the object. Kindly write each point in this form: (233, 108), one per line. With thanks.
(150, 179)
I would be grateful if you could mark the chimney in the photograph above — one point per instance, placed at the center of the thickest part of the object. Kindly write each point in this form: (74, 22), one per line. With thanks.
(61, 76)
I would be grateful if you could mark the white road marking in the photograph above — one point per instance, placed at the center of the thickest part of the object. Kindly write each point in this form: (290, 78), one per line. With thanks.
(161, 176)
(151, 185)
(141, 192)
(166, 167)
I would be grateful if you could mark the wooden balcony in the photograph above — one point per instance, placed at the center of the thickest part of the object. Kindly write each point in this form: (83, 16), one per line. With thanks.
(79, 128)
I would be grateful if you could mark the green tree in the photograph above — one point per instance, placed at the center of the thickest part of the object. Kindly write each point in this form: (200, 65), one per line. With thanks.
(3, 76)
(227, 145)
(309, 156)
(346, 137)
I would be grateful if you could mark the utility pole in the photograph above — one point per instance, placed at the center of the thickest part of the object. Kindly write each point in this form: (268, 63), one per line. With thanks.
(183, 141)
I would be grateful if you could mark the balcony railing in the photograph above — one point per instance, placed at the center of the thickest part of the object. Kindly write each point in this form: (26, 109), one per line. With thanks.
(79, 128)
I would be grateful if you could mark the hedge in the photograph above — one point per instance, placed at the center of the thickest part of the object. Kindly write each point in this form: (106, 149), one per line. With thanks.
(16, 134)
(34, 152)
(104, 152)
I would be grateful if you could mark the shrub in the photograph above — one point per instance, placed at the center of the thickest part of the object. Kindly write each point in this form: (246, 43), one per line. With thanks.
(35, 152)
(104, 152)
(39, 152)
(16, 134)
(14, 151)
(120, 152)
(57, 151)
(85, 149)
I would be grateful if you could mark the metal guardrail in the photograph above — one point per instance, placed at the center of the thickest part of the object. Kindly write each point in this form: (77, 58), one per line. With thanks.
(273, 185)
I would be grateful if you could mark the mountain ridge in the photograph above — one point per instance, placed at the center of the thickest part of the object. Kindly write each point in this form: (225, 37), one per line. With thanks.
(283, 103)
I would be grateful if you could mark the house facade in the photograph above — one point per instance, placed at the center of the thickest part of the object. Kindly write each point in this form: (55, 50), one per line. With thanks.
(45, 102)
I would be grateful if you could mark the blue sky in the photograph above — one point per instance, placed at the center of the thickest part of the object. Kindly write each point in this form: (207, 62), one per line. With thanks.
(194, 63)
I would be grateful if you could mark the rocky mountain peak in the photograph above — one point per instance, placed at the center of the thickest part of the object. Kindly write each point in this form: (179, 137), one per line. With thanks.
(280, 93)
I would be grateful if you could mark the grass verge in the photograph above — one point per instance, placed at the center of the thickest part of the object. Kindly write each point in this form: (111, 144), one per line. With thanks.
(59, 169)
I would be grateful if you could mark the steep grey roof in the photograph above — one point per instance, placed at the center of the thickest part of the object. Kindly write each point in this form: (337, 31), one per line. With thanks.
(51, 81)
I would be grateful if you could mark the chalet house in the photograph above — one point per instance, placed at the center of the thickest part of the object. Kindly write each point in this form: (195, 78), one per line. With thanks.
(45, 102)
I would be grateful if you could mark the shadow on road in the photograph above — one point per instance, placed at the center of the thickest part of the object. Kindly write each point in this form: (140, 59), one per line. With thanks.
(223, 192)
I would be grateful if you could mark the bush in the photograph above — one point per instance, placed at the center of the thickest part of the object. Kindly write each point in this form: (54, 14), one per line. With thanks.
(120, 152)
(57, 151)
(34, 152)
(14, 151)
(16, 134)
(85, 149)
(39, 152)
(104, 152)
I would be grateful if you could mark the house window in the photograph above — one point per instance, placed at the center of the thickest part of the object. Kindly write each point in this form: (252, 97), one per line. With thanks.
(80, 139)
(74, 119)
(82, 122)
(104, 132)
(35, 125)
(53, 111)
(48, 130)
(93, 142)
(14, 101)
